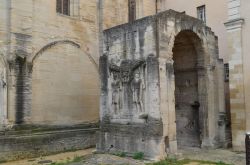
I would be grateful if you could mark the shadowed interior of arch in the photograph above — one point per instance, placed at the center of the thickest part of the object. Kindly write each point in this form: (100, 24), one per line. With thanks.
(186, 90)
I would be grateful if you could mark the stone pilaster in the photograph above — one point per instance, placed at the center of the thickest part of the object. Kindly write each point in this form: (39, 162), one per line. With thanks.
(236, 78)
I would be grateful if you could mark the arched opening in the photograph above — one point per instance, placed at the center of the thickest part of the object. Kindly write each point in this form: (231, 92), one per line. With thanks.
(187, 103)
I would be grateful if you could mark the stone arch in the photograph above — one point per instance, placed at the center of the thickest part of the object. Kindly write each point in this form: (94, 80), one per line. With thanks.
(52, 44)
(196, 28)
(65, 86)
(189, 104)
(174, 22)
(170, 25)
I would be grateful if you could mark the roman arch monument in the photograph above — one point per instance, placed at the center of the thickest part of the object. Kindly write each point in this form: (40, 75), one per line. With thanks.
(162, 86)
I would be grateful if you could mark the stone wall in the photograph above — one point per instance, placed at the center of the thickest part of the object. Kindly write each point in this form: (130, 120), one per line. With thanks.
(131, 51)
(23, 143)
(115, 12)
(70, 84)
(245, 6)
(238, 35)
(48, 77)
(236, 74)
(4, 46)
(42, 44)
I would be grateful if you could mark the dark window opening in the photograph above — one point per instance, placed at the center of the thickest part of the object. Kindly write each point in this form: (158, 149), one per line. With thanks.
(201, 13)
(226, 71)
(132, 10)
(63, 7)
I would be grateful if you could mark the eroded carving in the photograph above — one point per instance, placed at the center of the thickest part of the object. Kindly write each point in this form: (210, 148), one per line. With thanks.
(2, 80)
(128, 78)
(116, 90)
(138, 87)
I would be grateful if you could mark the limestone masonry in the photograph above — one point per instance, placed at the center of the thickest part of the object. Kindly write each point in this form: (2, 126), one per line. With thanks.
(123, 75)
(161, 80)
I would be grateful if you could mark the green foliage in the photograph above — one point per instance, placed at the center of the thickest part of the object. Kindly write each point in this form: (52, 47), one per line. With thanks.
(57, 164)
(172, 162)
(138, 155)
(77, 159)
(2, 161)
(121, 154)
(185, 161)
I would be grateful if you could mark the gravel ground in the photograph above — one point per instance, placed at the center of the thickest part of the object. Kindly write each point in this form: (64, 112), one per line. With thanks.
(217, 155)
(104, 159)
(226, 156)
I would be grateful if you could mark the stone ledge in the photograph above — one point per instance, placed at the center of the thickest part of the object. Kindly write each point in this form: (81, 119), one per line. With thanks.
(33, 128)
(14, 147)
(139, 129)
(234, 24)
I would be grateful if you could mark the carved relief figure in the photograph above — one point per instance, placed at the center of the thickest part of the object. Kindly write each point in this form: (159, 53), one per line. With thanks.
(2, 86)
(2, 81)
(127, 77)
(138, 86)
(116, 89)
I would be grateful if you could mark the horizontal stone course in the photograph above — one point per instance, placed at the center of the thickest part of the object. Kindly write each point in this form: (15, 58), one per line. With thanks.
(27, 145)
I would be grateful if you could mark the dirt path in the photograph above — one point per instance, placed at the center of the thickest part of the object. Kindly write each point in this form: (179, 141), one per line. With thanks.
(104, 159)
(216, 155)
(63, 157)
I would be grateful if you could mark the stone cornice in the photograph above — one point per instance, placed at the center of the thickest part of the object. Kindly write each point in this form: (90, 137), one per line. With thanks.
(234, 24)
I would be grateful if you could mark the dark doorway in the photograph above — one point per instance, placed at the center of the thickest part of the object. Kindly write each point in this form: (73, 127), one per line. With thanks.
(186, 91)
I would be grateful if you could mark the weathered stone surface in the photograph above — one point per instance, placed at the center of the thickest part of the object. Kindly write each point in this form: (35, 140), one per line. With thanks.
(146, 62)
(43, 54)
(236, 80)
(48, 74)
(49, 65)
(37, 141)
